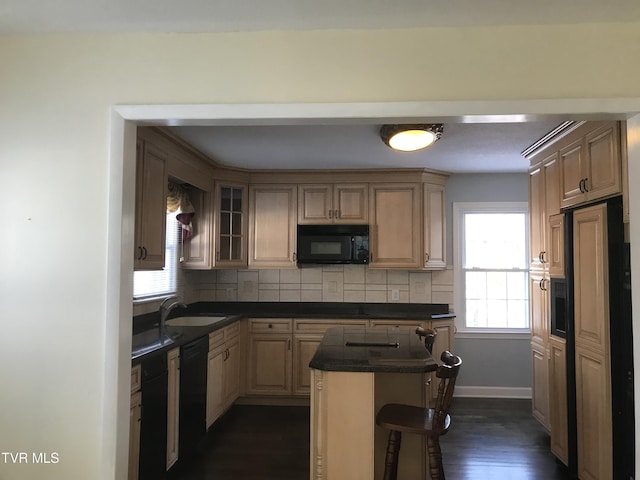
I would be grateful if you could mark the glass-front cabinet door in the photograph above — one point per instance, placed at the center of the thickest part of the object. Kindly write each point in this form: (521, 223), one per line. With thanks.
(231, 228)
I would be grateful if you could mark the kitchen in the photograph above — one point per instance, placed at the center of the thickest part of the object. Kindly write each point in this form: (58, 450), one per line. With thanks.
(227, 286)
(75, 132)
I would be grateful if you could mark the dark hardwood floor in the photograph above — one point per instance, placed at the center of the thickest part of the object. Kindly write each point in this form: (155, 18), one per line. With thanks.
(489, 439)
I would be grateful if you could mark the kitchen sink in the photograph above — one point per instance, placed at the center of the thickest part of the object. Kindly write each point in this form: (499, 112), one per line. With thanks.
(200, 321)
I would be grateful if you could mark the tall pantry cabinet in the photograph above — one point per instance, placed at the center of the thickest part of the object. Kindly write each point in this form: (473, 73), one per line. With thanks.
(578, 168)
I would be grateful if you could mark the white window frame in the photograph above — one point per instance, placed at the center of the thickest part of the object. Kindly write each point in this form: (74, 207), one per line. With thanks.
(171, 266)
(459, 209)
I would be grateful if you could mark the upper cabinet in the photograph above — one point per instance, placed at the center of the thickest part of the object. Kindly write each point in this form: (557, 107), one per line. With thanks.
(272, 225)
(231, 225)
(434, 227)
(151, 207)
(345, 203)
(591, 164)
(395, 237)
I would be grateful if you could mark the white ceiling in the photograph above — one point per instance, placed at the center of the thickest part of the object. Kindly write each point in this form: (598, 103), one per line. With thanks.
(464, 147)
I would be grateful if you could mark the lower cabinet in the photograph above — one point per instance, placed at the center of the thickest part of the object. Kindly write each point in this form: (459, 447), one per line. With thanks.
(540, 384)
(135, 416)
(269, 356)
(173, 405)
(558, 399)
(223, 371)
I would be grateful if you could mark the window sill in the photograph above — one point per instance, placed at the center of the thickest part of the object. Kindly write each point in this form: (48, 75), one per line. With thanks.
(493, 335)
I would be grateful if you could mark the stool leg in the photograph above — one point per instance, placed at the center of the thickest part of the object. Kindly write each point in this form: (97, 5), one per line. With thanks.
(435, 458)
(391, 460)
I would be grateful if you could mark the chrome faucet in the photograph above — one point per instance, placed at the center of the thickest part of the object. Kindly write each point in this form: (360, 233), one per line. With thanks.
(166, 307)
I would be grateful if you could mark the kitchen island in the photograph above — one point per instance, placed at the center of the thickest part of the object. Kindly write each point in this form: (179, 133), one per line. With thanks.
(353, 373)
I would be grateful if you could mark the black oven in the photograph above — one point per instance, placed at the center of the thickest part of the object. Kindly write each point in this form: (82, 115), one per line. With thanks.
(559, 313)
(333, 244)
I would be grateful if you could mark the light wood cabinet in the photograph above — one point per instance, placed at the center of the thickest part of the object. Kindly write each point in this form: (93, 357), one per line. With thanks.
(592, 350)
(151, 207)
(544, 200)
(173, 405)
(272, 226)
(434, 227)
(396, 225)
(231, 225)
(539, 307)
(555, 246)
(558, 399)
(269, 362)
(333, 203)
(540, 384)
(223, 371)
(197, 251)
(591, 164)
(135, 416)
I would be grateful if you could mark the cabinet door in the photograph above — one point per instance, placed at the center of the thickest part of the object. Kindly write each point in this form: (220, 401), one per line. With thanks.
(572, 173)
(198, 249)
(604, 176)
(555, 245)
(434, 227)
(315, 204)
(593, 416)
(304, 348)
(540, 384)
(551, 174)
(591, 286)
(231, 225)
(558, 399)
(350, 203)
(537, 218)
(272, 232)
(215, 394)
(269, 364)
(231, 375)
(134, 435)
(173, 401)
(396, 225)
(539, 307)
(151, 207)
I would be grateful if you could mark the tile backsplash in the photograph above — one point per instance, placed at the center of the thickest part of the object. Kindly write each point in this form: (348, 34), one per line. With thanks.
(329, 283)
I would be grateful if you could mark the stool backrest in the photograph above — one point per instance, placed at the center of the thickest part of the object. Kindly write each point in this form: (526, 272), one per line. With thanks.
(447, 373)
(429, 337)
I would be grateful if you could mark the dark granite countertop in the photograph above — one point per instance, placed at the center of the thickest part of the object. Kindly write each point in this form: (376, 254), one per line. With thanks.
(145, 329)
(360, 349)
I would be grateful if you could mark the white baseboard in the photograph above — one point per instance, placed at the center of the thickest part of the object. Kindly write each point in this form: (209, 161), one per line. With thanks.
(493, 392)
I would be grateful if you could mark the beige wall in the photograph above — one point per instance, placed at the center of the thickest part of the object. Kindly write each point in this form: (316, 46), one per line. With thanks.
(67, 194)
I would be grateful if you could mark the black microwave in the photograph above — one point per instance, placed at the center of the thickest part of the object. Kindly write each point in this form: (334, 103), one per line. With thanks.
(328, 244)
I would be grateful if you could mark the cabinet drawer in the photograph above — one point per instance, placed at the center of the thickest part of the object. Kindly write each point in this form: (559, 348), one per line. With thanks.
(321, 325)
(270, 325)
(216, 338)
(232, 331)
(136, 377)
(404, 324)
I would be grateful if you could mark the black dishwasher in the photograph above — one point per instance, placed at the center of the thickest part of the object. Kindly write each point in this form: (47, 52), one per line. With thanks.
(193, 397)
(153, 424)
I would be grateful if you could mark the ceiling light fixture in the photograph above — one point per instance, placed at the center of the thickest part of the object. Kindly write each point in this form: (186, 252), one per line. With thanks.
(409, 138)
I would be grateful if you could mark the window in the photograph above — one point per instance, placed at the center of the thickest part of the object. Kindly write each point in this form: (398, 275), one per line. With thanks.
(154, 283)
(491, 262)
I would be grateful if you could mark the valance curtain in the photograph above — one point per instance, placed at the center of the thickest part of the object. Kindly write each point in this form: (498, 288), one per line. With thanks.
(178, 201)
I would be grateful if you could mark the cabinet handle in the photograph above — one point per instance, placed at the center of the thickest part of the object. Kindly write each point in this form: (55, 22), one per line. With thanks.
(426, 257)
(586, 182)
(144, 250)
(139, 253)
(543, 284)
(293, 257)
(543, 256)
(330, 213)
(337, 214)
(580, 185)
(289, 344)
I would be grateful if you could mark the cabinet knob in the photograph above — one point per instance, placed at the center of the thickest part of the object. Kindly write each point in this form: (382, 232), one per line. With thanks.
(426, 257)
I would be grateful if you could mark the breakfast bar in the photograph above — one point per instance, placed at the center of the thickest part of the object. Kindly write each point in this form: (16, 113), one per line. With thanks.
(355, 371)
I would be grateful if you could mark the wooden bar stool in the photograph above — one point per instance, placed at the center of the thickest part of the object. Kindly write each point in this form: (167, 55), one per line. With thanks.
(430, 422)
(429, 337)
